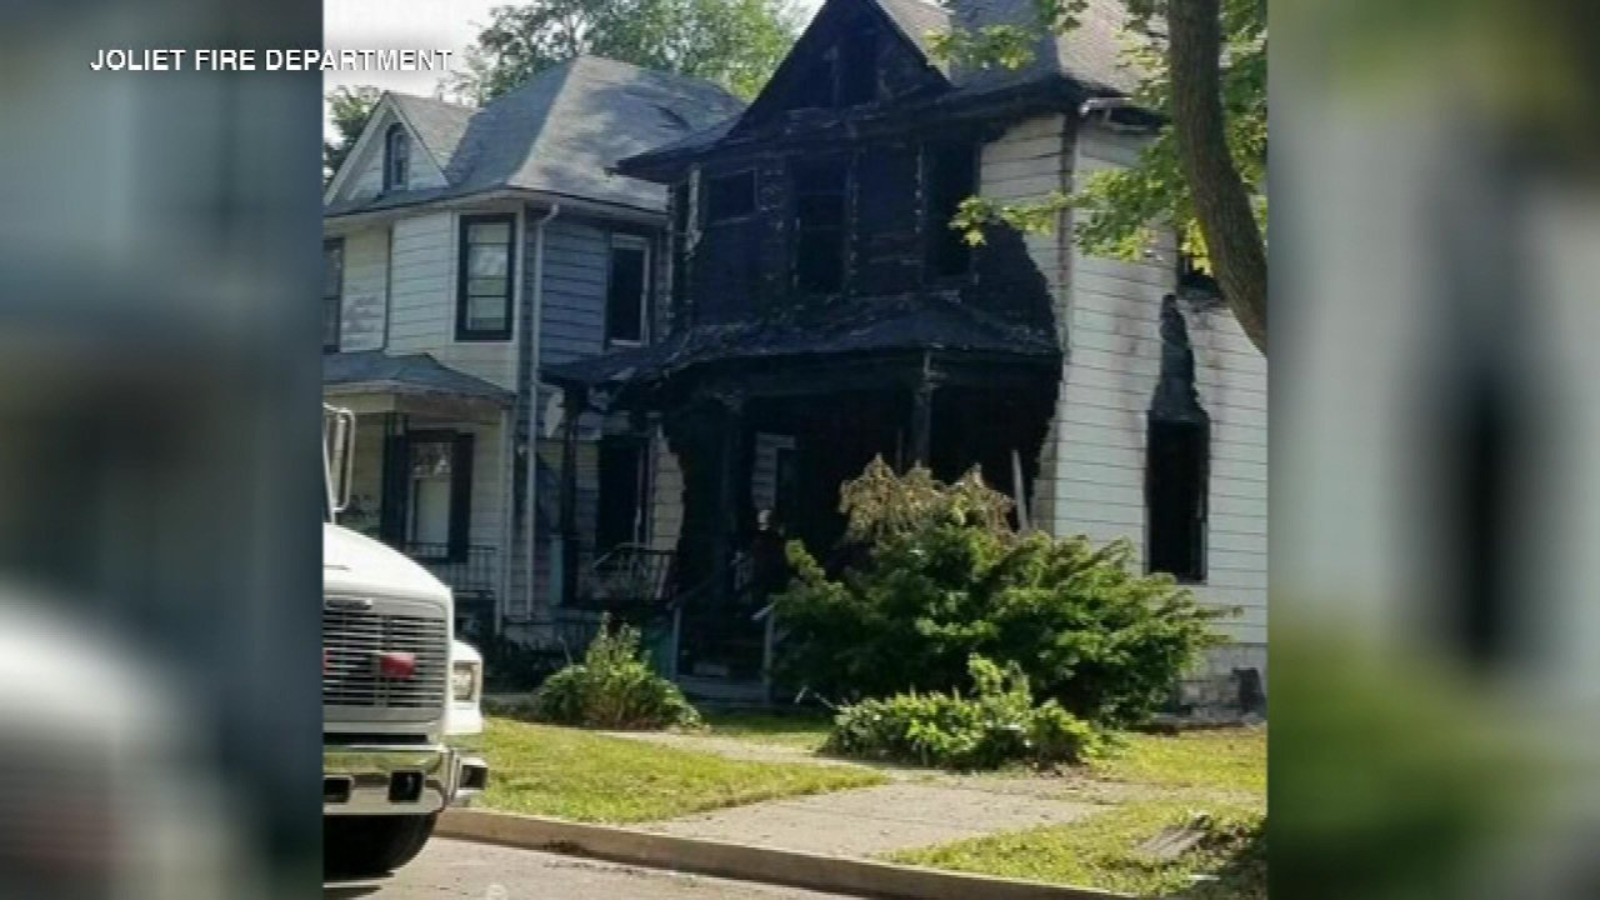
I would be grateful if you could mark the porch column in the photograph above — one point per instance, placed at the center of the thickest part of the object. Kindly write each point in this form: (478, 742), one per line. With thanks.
(572, 410)
(733, 489)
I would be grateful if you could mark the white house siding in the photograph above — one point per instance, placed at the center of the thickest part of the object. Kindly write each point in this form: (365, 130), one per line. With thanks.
(423, 299)
(1029, 161)
(666, 491)
(363, 295)
(1092, 472)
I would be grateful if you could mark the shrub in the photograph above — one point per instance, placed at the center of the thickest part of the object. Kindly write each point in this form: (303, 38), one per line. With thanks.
(510, 665)
(998, 724)
(614, 687)
(941, 575)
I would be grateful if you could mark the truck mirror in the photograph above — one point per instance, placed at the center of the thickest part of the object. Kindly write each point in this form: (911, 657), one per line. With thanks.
(338, 447)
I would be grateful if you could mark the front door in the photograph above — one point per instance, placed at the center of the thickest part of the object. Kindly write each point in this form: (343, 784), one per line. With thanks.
(427, 494)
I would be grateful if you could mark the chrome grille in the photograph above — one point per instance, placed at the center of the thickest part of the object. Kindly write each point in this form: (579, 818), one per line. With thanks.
(352, 639)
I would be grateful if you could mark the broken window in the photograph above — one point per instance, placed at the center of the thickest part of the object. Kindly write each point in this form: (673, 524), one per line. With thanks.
(627, 296)
(623, 479)
(952, 173)
(730, 197)
(820, 191)
(1177, 464)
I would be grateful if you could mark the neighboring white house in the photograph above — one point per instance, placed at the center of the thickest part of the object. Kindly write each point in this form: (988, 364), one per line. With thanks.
(464, 249)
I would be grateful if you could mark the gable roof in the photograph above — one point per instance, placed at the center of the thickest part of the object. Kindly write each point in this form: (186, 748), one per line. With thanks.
(1091, 56)
(560, 133)
(438, 125)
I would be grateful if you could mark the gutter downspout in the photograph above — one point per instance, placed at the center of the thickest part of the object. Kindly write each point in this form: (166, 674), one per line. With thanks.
(536, 328)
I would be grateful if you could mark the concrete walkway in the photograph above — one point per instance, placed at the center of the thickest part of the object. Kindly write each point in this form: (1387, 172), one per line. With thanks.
(917, 808)
(873, 821)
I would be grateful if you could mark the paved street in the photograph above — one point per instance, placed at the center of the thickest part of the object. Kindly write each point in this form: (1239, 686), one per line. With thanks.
(448, 870)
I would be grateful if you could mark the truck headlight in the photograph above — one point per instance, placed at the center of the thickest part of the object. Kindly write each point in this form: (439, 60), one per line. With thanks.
(466, 677)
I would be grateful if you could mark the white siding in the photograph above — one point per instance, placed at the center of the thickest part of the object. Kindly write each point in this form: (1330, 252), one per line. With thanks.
(666, 488)
(364, 294)
(1030, 160)
(1093, 473)
(423, 300)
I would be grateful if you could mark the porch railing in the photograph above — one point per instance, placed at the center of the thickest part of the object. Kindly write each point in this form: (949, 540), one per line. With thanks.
(471, 574)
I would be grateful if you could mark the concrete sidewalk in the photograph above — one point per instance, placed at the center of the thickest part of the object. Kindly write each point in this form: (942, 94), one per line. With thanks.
(873, 821)
(918, 809)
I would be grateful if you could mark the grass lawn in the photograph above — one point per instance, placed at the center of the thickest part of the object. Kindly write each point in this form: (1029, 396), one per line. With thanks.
(1225, 759)
(800, 730)
(1219, 773)
(587, 777)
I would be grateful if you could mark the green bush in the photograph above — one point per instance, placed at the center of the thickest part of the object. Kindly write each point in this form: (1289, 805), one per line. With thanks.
(943, 576)
(997, 725)
(614, 687)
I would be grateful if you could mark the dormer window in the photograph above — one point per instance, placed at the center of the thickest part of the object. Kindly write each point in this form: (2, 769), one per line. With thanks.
(396, 158)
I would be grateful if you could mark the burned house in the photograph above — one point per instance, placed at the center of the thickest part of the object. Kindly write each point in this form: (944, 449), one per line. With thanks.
(817, 311)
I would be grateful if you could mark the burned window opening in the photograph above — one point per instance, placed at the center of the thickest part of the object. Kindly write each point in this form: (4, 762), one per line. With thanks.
(730, 197)
(623, 478)
(820, 190)
(1178, 457)
(627, 294)
(952, 172)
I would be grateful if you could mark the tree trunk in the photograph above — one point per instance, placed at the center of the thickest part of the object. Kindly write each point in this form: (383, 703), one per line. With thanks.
(1221, 200)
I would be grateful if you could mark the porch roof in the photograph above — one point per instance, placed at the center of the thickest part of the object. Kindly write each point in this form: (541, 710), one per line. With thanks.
(856, 326)
(376, 372)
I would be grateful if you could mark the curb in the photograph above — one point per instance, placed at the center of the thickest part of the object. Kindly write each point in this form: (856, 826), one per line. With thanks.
(742, 862)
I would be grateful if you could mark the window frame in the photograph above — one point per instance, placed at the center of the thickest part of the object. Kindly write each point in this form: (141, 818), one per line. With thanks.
(396, 131)
(337, 297)
(632, 242)
(845, 228)
(465, 333)
(712, 221)
(639, 447)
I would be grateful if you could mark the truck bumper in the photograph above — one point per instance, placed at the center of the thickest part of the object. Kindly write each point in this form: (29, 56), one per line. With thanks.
(359, 780)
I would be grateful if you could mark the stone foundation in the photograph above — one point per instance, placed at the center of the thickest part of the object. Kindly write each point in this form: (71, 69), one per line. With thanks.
(1231, 683)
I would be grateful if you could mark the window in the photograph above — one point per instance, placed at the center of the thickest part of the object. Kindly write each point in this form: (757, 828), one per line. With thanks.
(396, 158)
(627, 292)
(623, 481)
(730, 197)
(484, 310)
(819, 189)
(332, 293)
(952, 177)
(1177, 470)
